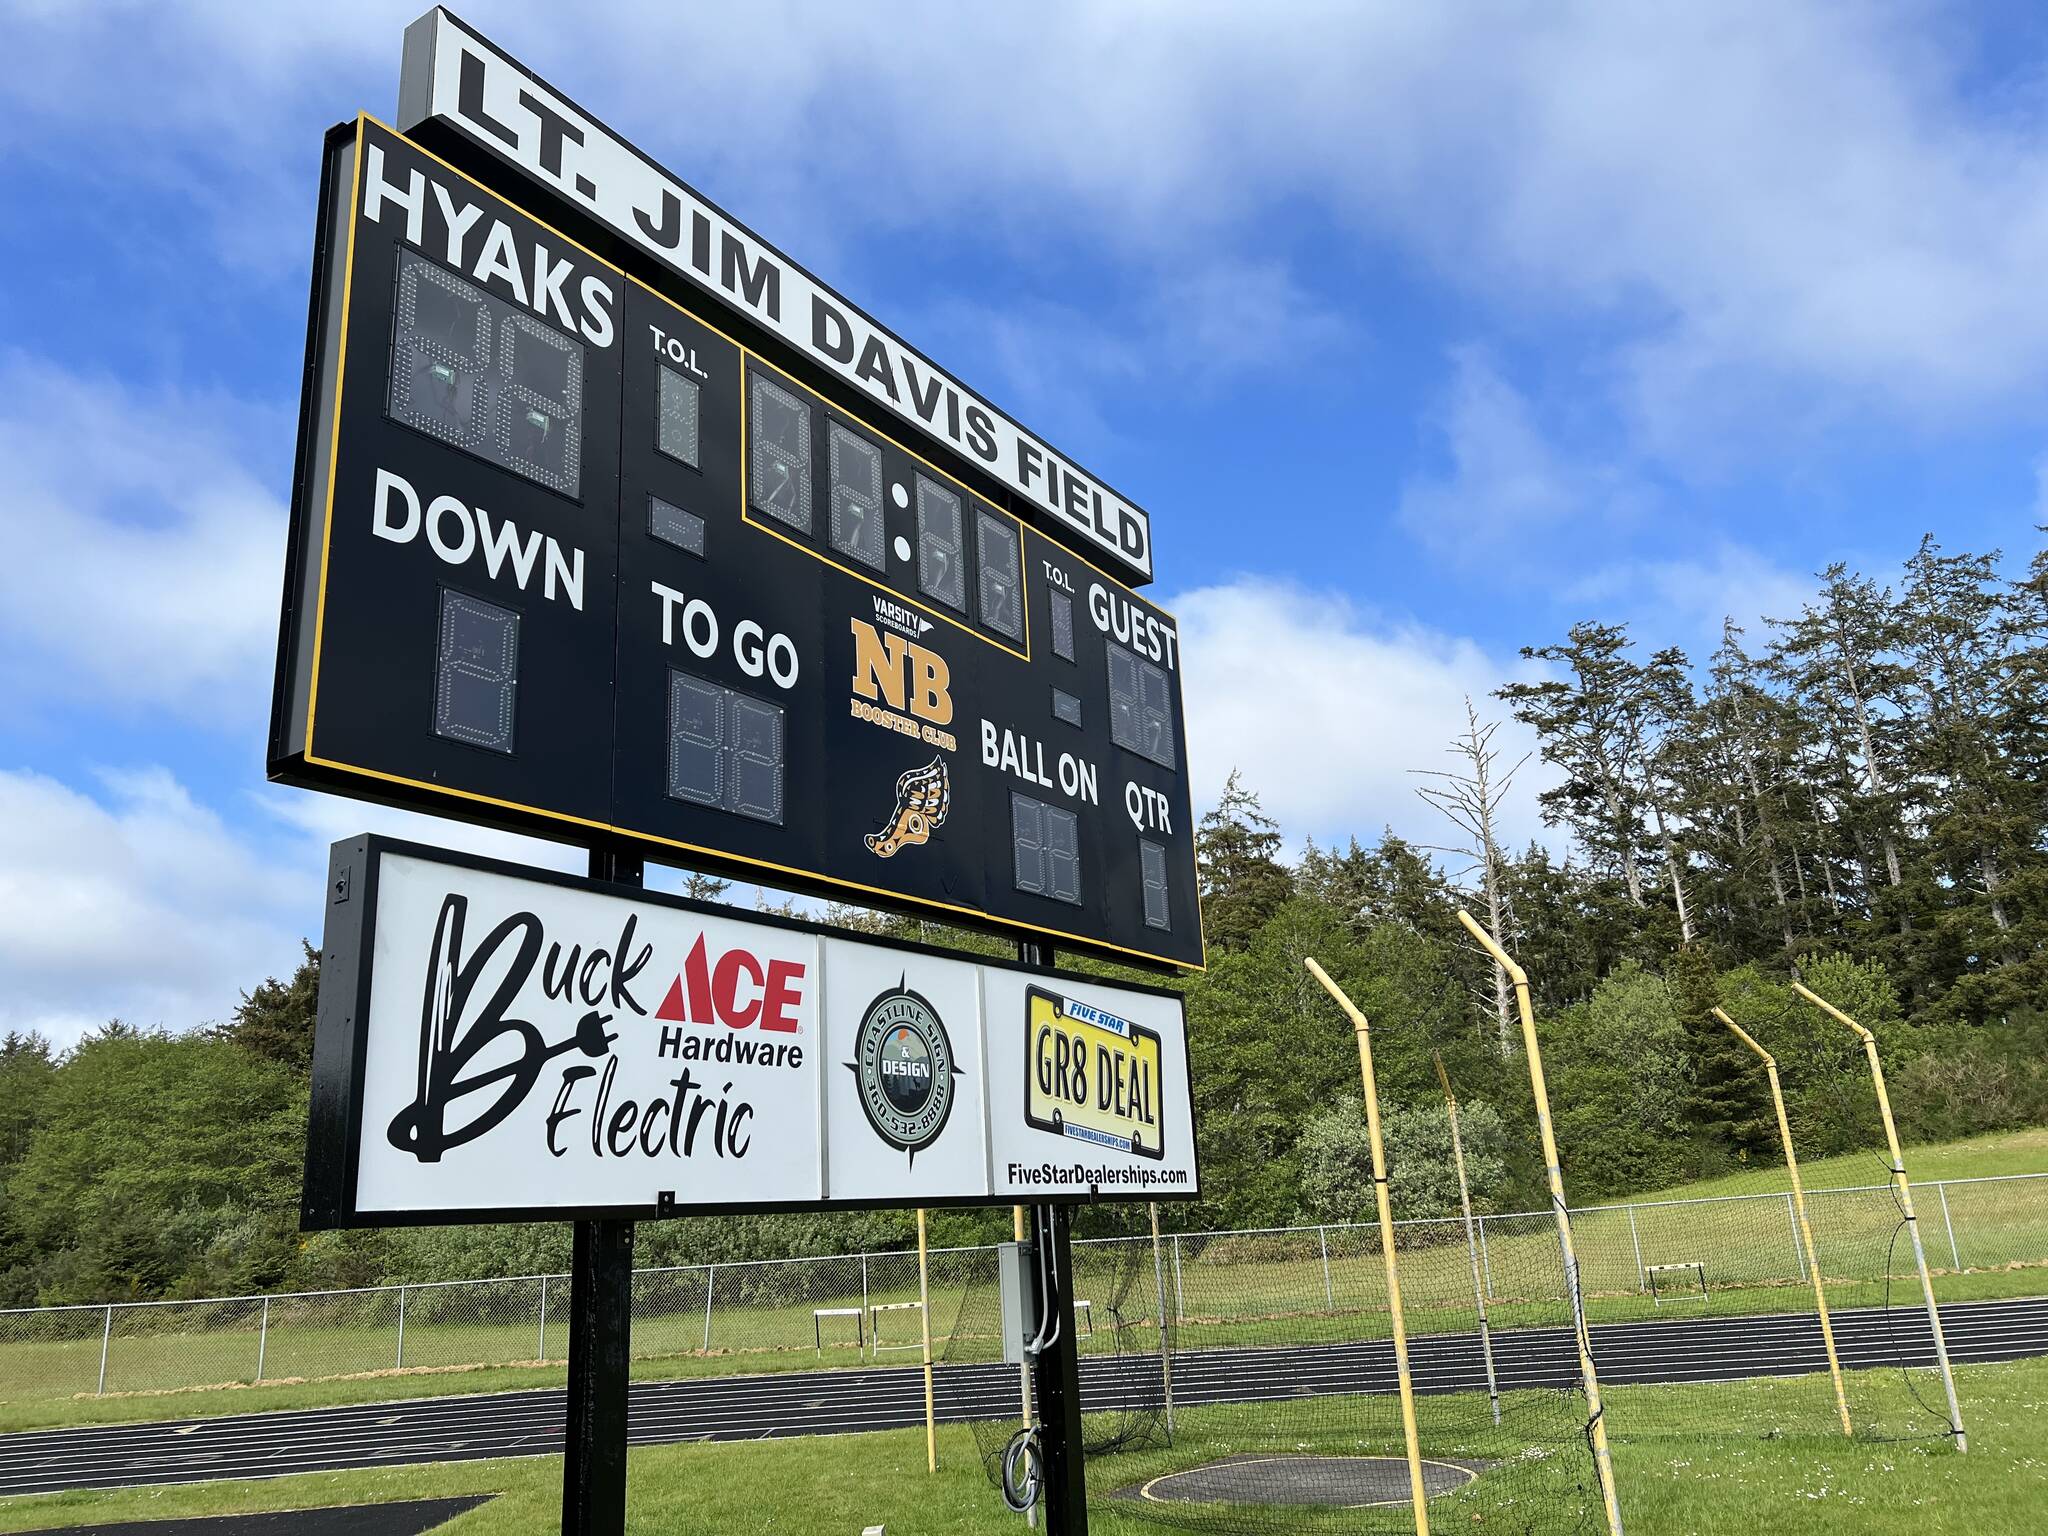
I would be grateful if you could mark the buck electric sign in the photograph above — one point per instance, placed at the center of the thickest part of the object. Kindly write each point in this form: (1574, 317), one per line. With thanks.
(497, 1045)
(570, 556)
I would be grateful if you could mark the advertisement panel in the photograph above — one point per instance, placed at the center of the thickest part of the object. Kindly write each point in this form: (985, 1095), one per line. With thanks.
(499, 1044)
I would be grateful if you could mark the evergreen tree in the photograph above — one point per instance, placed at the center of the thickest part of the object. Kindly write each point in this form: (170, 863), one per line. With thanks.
(27, 1067)
(702, 887)
(275, 1021)
(1840, 661)
(1604, 725)
(1744, 804)
(1243, 881)
(1390, 882)
(1981, 817)
(1727, 1108)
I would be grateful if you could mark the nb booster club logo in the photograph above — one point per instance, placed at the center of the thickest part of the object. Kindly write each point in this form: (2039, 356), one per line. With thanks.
(903, 1062)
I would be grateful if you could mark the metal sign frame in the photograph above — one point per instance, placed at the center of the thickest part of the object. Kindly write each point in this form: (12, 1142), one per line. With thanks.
(1129, 829)
(341, 1120)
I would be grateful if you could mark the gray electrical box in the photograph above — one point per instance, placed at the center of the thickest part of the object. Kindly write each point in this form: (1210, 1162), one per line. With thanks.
(1019, 1300)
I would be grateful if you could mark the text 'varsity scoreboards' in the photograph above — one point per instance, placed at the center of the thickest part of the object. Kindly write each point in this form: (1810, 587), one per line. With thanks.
(568, 557)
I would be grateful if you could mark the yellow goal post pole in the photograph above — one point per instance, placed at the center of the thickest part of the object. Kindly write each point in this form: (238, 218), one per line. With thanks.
(1603, 1463)
(1471, 1246)
(1820, 1298)
(924, 1312)
(1416, 1490)
(1905, 1191)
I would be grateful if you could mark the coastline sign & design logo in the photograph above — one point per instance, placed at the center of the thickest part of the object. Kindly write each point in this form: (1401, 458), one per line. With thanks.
(903, 1061)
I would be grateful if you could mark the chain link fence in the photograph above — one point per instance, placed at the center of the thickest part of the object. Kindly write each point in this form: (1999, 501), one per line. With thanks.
(1224, 1289)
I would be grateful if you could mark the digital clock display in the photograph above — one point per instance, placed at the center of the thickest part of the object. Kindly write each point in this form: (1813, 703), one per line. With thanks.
(569, 558)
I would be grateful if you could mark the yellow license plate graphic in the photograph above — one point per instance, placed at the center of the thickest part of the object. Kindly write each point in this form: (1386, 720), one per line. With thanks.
(1091, 1075)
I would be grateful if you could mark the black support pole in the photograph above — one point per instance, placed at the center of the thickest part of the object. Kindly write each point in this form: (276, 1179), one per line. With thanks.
(1056, 1386)
(1056, 1370)
(600, 1343)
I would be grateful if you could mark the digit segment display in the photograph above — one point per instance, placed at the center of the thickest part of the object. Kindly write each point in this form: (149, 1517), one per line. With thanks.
(569, 557)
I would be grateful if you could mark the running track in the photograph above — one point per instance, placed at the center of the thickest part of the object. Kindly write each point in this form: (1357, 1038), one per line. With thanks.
(766, 1406)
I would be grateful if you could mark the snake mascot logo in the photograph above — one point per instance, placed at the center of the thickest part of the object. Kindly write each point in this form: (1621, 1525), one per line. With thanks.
(903, 1062)
(923, 796)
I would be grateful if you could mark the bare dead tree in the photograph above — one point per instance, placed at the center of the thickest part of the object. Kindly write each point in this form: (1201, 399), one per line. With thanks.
(1470, 798)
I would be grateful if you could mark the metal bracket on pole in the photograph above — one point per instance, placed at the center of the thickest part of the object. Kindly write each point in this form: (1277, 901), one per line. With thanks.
(1905, 1192)
(262, 1339)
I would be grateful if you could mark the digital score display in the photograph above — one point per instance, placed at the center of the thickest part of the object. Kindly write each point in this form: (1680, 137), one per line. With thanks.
(569, 558)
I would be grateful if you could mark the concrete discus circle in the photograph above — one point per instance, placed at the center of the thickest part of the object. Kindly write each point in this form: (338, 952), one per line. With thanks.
(1339, 1482)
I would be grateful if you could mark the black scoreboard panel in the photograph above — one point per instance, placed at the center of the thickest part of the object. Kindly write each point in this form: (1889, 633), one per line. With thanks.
(568, 557)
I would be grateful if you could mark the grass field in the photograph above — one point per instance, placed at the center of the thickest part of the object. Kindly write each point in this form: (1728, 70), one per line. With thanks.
(1684, 1467)
(1997, 1155)
(1234, 1289)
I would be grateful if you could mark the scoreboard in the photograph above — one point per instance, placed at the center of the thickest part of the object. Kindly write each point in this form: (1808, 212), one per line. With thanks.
(577, 551)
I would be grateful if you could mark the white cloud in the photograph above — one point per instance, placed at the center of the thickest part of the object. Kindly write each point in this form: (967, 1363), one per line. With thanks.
(1188, 332)
(1328, 714)
(133, 902)
(1683, 601)
(130, 898)
(142, 559)
(1505, 488)
(1775, 211)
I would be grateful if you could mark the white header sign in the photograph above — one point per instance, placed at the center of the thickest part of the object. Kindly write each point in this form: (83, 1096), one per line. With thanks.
(456, 77)
(496, 1045)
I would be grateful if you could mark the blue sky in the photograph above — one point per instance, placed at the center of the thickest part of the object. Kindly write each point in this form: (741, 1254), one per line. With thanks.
(1422, 331)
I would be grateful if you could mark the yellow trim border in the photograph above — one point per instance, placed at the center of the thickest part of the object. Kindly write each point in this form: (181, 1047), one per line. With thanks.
(312, 758)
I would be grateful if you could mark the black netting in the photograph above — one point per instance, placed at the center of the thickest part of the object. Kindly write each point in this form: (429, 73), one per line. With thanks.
(1124, 1329)
(1245, 1382)
(1721, 1292)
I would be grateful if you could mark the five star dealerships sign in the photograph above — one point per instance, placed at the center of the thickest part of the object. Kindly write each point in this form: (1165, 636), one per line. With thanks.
(497, 1044)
